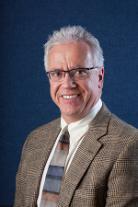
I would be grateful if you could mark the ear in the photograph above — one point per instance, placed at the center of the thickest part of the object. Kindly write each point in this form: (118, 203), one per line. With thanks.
(101, 77)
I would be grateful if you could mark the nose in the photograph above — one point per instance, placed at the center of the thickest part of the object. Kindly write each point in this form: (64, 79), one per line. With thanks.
(68, 81)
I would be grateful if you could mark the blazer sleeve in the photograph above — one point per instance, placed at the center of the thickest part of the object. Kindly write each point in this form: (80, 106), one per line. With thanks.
(123, 179)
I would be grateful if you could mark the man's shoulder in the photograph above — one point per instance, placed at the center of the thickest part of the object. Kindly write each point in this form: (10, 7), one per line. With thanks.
(115, 125)
(40, 133)
(118, 134)
(121, 131)
(120, 126)
(48, 126)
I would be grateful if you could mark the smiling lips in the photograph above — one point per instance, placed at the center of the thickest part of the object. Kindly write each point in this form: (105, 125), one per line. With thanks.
(69, 97)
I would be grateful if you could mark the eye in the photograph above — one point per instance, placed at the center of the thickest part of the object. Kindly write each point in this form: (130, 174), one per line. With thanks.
(56, 73)
(81, 72)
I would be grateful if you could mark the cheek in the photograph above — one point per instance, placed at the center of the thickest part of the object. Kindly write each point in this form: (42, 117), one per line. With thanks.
(91, 87)
(87, 89)
(53, 91)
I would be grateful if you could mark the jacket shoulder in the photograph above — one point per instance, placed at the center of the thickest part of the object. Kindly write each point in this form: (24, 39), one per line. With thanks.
(117, 130)
(120, 127)
(39, 134)
(48, 126)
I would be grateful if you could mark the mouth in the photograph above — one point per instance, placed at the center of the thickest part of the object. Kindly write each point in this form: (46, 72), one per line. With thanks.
(69, 97)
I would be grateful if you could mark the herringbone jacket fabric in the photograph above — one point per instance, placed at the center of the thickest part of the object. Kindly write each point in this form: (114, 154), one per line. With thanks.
(103, 173)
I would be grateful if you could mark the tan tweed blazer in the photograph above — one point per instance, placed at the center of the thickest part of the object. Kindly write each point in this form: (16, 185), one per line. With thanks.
(103, 173)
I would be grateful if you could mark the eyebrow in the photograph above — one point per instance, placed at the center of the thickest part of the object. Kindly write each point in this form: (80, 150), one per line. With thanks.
(77, 66)
(74, 67)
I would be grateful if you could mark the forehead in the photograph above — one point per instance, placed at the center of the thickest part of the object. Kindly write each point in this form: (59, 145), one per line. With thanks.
(73, 46)
(71, 52)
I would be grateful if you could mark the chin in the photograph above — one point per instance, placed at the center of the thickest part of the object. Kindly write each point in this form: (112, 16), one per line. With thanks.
(69, 110)
(71, 115)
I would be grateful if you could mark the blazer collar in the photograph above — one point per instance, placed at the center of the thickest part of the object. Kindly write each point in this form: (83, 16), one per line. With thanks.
(84, 156)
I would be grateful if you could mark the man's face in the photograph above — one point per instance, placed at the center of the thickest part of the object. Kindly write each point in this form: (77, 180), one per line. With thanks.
(74, 98)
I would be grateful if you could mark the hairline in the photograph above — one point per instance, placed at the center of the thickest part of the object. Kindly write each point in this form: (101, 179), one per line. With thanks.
(93, 43)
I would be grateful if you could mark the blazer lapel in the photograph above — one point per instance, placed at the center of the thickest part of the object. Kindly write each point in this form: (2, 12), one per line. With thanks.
(84, 156)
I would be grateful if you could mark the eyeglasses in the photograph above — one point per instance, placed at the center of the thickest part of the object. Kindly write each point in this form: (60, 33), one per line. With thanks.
(75, 74)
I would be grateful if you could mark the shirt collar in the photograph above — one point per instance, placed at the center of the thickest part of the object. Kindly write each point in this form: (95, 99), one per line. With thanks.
(79, 128)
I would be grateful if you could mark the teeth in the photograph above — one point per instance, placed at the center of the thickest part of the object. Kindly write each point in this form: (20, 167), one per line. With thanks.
(69, 97)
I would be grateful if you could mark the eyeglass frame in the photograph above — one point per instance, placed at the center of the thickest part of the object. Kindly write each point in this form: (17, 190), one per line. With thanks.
(69, 73)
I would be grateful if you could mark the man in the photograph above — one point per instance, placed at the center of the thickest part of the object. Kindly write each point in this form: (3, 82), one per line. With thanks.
(101, 168)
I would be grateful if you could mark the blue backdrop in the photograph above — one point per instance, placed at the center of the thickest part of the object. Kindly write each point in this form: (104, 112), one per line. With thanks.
(25, 102)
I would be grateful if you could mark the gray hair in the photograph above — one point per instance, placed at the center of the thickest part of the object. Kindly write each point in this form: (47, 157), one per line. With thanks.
(75, 33)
